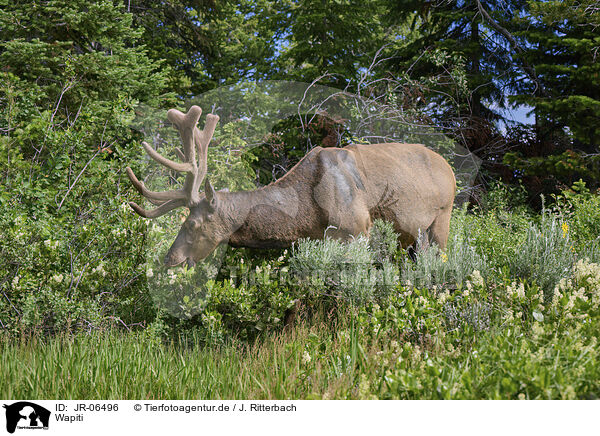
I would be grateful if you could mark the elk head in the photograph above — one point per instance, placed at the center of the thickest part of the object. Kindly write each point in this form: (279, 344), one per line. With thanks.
(202, 231)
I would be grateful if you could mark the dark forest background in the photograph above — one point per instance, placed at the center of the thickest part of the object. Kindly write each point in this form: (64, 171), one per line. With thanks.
(474, 69)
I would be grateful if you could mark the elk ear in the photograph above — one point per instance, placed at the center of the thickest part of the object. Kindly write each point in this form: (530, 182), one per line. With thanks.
(211, 196)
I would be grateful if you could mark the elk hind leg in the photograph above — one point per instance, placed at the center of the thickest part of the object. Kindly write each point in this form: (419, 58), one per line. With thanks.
(440, 228)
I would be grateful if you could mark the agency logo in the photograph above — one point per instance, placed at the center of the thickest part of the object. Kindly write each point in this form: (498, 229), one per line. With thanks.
(26, 415)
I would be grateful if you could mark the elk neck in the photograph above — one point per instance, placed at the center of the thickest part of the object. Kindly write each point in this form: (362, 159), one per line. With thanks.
(270, 217)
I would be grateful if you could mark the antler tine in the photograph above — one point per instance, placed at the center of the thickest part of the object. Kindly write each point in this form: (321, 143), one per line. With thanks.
(176, 166)
(156, 198)
(192, 138)
(202, 138)
(186, 124)
(167, 206)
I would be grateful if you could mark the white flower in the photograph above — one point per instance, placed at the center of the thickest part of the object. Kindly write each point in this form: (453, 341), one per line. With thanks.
(521, 290)
(149, 273)
(58, 278)
(100, 270)
(510, 289)
(444, 296)
(306, 357)
(477, 278)
(15, 281)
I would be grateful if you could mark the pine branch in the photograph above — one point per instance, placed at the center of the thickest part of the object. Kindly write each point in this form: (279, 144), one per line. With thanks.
(527, 68)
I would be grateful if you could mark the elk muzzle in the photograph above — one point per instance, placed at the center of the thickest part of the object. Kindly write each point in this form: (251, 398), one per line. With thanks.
(179, 252)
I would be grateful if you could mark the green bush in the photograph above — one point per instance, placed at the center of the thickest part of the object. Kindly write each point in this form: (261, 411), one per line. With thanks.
(383, 241)
(494, 234)
(69, 271)
(451, 268)
(501, 198)
(330, 268)
(546, 256)
(581, 209)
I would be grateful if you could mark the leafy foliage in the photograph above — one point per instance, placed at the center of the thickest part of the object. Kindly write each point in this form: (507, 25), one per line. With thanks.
(545, 256)
(71, 253)
(331, 38)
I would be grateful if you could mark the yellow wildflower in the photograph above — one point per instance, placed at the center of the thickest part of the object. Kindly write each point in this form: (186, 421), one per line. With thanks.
(444, 257)
(565, 229)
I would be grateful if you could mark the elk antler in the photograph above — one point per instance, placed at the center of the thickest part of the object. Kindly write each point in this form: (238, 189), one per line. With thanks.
(193, 140)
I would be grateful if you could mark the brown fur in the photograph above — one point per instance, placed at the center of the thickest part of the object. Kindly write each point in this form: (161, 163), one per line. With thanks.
(334, 192)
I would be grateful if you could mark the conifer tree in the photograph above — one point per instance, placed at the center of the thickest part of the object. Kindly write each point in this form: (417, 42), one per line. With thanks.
(563, 42)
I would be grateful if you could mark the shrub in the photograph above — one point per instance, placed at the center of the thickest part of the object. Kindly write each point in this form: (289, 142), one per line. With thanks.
(546, 256)
(383, 241)
(494, 233)
(244, 311)
(502, 198)
(581, 209)
(71, 271)
(340, 269)
(446, 269)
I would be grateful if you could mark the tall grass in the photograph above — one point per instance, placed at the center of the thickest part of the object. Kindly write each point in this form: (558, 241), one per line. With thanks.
(129, 366)
(310, 362)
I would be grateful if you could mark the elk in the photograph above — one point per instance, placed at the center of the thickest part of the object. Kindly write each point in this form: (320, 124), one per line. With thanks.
(335, 192)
